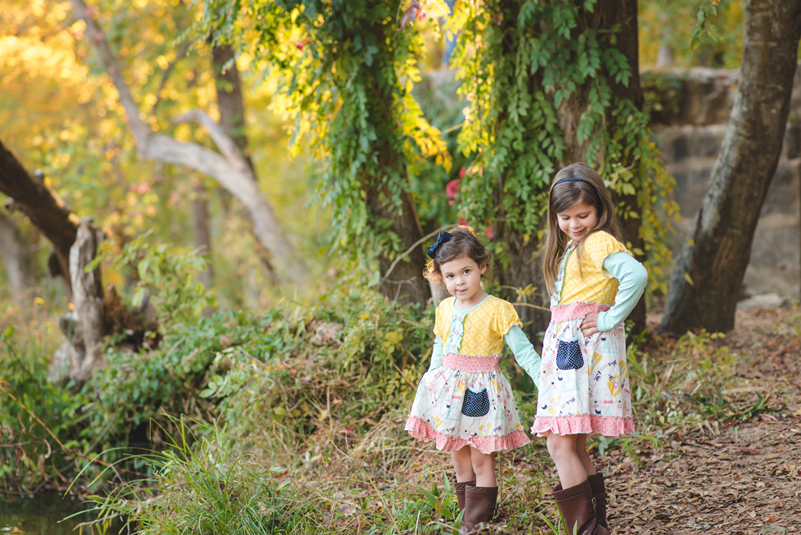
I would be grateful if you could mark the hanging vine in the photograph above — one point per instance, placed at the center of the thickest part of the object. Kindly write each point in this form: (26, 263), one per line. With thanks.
(540, 78)
(343, 72)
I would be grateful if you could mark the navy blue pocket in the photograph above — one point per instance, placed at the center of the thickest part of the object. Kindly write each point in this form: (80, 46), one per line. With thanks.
(568, 356)
(475, 403)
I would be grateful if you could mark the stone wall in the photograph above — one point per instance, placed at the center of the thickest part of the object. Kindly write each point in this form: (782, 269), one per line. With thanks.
(690, 136)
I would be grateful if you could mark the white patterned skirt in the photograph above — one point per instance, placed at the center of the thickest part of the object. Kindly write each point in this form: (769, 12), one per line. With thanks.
(584, 382)
(466, 401)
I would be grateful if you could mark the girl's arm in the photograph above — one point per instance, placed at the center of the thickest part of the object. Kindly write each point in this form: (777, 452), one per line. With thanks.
(525, 354)
(436, 354)
(633, 277)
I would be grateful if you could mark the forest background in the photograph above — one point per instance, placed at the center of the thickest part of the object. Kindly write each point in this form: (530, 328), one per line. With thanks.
(263, 199)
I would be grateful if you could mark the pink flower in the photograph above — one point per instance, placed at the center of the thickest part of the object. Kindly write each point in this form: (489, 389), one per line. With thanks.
(451, 202)
(303, 42)
(452, 188)
(489, 232)
(462, 172)
(462, 222)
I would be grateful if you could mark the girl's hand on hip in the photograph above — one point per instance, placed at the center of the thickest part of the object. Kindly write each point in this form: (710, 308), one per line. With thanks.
(590, 324)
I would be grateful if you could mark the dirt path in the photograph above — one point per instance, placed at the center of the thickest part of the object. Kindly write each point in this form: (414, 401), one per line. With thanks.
(741, 478)
(746, 480)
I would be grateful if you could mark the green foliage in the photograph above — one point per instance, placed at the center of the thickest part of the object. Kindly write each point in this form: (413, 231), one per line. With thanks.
(344, 75)
(703, 15)
(229, 493)
(33, 410)
(424, 514)
(307, 380)
(694, 32)
(520, 75)
(133, 389)
(165, 275)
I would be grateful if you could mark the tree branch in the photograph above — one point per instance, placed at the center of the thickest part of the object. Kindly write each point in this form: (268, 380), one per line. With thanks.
(229, 170)
(42, 206)
(227, 146)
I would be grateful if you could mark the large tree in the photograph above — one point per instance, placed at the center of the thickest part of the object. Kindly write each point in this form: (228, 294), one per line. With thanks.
(551, 84)
(707, 277)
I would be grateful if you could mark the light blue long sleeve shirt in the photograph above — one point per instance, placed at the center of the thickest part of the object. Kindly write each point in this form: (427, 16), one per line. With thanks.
(632, 277)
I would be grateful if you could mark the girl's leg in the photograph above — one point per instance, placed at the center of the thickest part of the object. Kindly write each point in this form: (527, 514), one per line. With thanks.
(581, 450)
(484, 468)
(480, 500)
(569, 465)
(463, 465)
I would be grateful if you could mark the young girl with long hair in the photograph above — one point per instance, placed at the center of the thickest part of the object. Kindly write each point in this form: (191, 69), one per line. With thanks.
(594, 283)
(463, 402)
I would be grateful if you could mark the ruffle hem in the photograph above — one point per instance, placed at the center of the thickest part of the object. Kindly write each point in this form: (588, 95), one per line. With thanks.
(488, 444)
(590, 424)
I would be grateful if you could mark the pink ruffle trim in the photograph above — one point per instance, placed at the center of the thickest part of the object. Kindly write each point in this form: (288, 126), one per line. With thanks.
(610, 426)
(470, 364)
(576, 310)
(423, 431)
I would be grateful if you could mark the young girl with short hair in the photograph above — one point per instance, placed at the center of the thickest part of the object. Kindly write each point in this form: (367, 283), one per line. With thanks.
(463, 402)
(594, 283)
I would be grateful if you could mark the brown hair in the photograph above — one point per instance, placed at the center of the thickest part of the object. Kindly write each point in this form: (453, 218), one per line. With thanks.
(463, 242)
(590, 190)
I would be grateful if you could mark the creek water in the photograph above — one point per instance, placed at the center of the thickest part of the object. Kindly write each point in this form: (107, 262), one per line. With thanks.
(43, 514)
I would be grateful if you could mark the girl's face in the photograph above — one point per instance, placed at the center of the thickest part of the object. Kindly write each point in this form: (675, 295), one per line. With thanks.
(462, 278)
(577, 221)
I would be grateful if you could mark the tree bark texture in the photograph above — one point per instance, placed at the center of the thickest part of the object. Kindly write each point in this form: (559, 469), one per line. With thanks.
(406, 283)
(706, 279)
(88, 298)
(230, 103)
(624, 13)
(45, 210)
(227, 167)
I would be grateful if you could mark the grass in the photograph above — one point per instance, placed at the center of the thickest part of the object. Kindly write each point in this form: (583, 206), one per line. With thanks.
(309, 436)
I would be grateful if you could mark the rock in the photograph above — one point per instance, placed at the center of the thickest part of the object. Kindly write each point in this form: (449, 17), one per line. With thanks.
(62, 363)
(761, 301)
(325, 332)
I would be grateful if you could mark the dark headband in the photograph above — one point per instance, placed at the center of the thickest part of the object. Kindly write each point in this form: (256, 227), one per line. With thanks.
(571, 180)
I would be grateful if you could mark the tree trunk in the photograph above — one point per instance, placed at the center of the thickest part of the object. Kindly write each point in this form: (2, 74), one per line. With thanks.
(405, 283)
(12, 250)
(705, 282)
(524, 270)
(88, 293)
(230, 103)
(45, 210)
(200, 212)
(624, 13)
(227, 167)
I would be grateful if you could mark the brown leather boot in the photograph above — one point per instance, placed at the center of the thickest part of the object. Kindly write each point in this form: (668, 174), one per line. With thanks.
(599, 494)
(479, 507)
(576, 506)
(460, 489)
